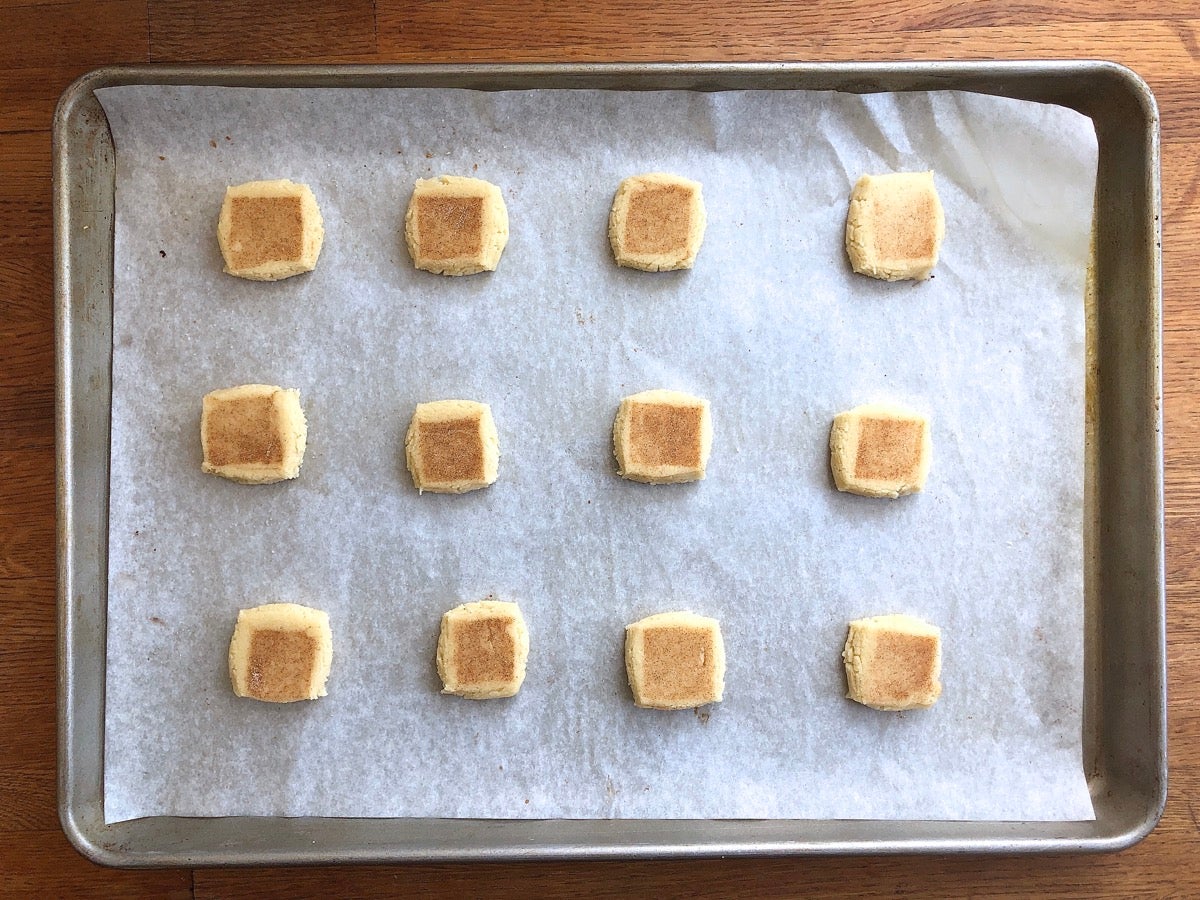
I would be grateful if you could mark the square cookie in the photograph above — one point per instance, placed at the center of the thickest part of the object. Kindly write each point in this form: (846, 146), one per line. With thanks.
(456, 225)
(662, 437)
(452, 446)
(270, 230)
(482, 650)
(657, 222)
(675, 660)
(281, 652)
(880, 450)
(893, 662)
(895, 226)
(254, 433)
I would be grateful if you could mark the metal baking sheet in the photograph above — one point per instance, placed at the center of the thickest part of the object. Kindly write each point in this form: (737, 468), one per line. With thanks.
(1124, 716)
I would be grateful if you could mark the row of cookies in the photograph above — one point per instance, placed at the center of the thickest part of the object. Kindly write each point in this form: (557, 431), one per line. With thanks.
(257, 434)
(455, 225)
(283, 652)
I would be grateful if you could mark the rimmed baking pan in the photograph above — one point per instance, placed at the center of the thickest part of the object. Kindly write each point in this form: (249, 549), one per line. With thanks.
(1124, 738)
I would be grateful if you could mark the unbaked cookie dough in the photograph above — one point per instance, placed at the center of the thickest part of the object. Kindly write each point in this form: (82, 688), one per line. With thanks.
(895, 226)
(880, 450)
(281, 652)
(270, 230)
(662, 437)
(253, 433)
(675, 660)
(456, 225)
(482, 650)
(657, 222)
(452, 446)
(893, 662)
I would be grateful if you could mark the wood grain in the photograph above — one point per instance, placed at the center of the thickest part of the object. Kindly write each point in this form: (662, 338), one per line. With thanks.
(325, 31)
(47, 44)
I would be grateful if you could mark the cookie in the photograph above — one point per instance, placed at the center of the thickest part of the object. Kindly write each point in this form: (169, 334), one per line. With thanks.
(662, 437)
(675, 660)
(893, 662)
(482, 650)
(895, 226)
(270, 230)
(880, 450)
(657, 222)
(281, 653)
(456, 225)
(253, 433)
(452, 446)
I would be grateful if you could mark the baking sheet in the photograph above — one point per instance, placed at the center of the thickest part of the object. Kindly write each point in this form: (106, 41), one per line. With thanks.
(770, 326)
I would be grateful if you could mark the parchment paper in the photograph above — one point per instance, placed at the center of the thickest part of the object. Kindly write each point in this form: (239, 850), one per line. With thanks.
(771, 326)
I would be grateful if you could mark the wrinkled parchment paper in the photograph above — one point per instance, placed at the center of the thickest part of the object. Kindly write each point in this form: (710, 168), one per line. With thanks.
(771, 326)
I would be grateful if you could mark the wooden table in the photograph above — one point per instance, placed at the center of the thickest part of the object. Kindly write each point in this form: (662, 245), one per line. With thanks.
(44, 45)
